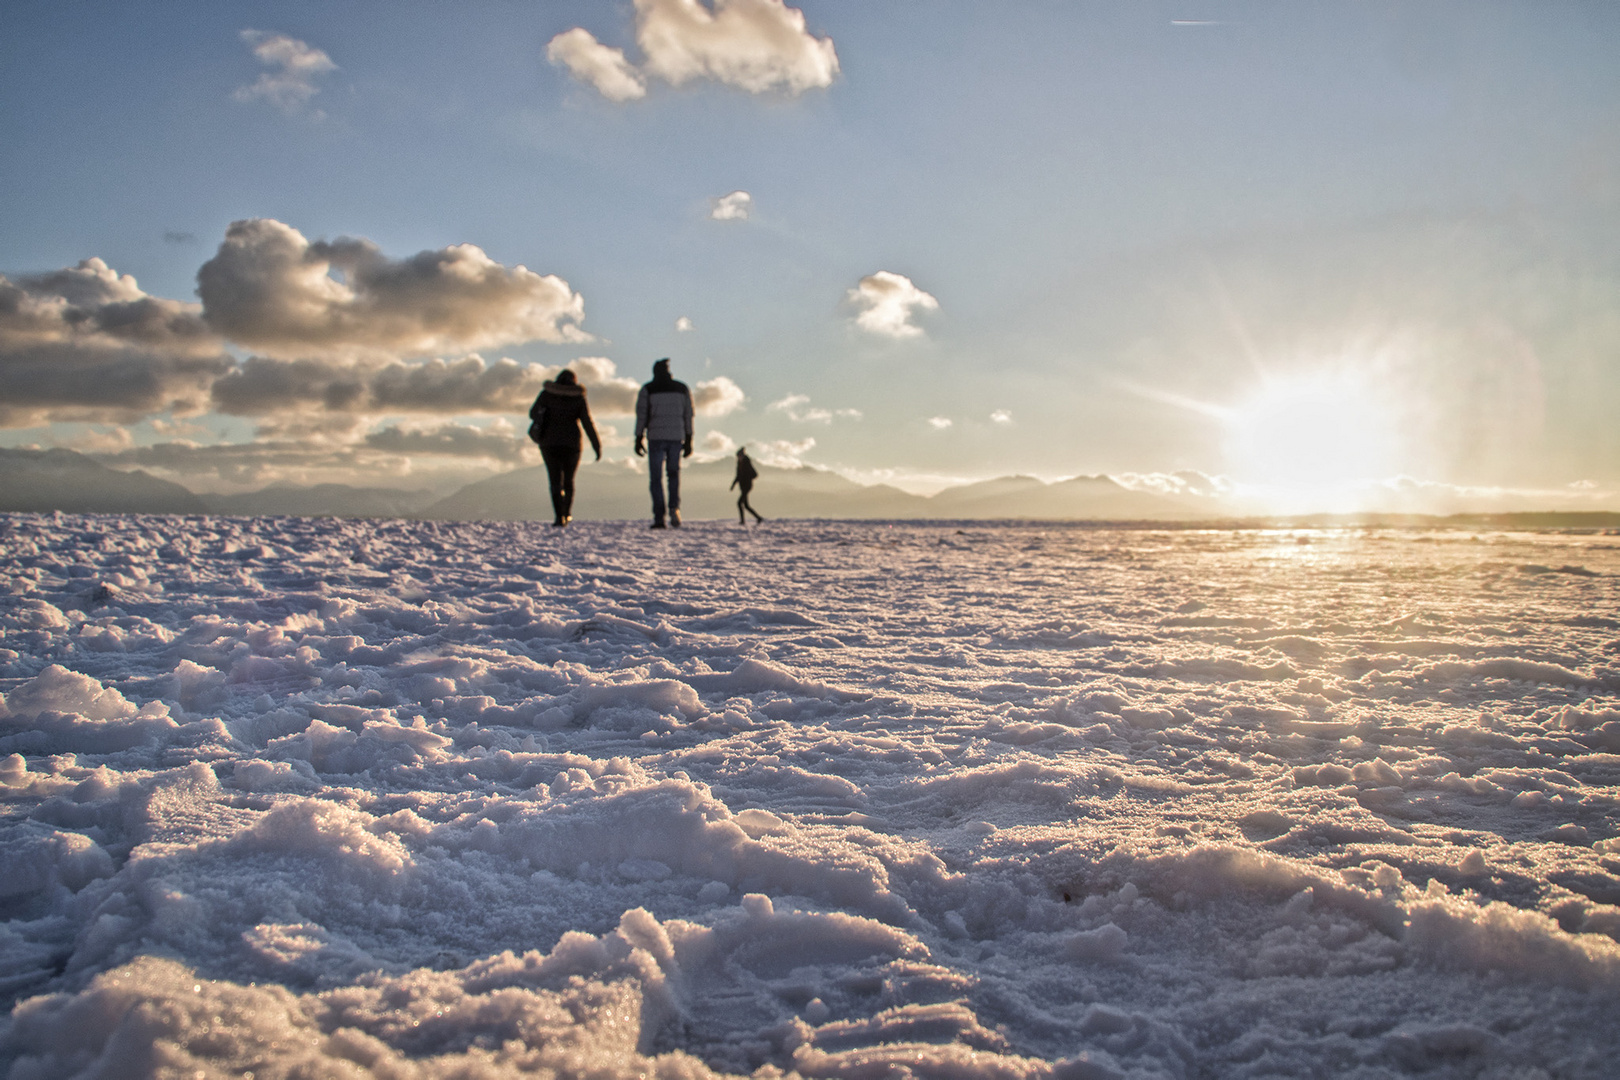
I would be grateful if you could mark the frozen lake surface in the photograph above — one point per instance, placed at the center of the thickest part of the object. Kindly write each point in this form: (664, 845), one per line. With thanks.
(322, 798)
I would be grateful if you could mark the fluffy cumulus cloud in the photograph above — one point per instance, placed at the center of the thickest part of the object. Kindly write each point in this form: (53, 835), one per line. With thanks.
(714, 445)
(783, 453)
(754, 45)
(939, 423)
(733, 207)
(717, 397)
(332, 388)
(610, 393)
(86, 343)
(1001, 416)
(262, 385)
(597, 65)
(270, 289)
(294, 66)
(886, 303)
(683, 325)
(500, 442)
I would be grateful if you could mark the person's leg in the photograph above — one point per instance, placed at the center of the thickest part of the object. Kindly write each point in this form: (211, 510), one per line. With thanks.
(673, 465)
(742, 502)
(657, 449)
(554, 474)
(570, 465)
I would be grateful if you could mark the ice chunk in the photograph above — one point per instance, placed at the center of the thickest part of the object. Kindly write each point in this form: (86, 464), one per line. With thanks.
(58, 690)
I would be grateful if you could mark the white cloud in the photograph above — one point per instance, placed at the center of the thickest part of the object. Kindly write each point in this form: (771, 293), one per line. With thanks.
(295, 65)
(1001, 416)
(886, 303)
(939, 423)
(86, 344)
(270, 289)
(733, 207)
(796, 406)
(683, 325)
(1188, 483)
(597, 65)
(754, 45)
(497, 444)
(715, 445)
(717, 396)
(783, 453)
(609, 393)
(262, 386)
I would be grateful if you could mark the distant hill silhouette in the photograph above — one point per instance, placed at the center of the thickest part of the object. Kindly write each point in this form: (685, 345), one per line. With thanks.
(46, 480)
(40, 481)
(321, 500)
(1086, 498)
(611, 491)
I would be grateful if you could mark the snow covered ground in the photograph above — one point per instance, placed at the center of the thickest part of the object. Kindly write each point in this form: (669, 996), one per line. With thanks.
(336, 798)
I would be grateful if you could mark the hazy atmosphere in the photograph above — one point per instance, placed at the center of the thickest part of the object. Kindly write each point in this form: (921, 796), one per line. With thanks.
(1320, 257)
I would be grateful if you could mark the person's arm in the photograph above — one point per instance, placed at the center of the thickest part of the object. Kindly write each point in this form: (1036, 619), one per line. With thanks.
(590, 428)
(643, 408)
(686, 416)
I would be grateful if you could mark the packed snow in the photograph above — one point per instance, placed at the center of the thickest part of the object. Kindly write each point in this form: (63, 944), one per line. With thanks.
(297, 797)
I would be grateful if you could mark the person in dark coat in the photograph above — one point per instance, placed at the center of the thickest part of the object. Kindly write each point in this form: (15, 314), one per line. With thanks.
(558, 414)
(664, 435)
(746, 474)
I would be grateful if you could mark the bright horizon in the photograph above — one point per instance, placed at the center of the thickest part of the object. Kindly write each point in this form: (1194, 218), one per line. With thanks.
(1309, 260)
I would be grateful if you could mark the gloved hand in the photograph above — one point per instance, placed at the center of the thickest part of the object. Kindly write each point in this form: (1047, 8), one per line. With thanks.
(598, 453)
(641, 448)
(686, 448)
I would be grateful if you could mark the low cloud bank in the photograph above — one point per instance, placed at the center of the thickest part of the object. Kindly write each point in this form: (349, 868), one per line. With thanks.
(85, 343)
(270, 289)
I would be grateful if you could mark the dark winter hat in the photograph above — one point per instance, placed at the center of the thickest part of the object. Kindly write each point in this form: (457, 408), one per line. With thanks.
(566, 377)
(661, 367)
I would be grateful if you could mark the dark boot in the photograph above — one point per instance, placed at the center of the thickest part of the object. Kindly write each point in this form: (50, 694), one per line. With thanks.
(675, 516)
(658, 523)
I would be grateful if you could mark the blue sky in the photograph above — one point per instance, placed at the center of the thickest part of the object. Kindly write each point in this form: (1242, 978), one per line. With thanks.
(1290, 245)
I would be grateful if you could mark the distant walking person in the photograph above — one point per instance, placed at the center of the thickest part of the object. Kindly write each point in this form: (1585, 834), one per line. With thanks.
(558, 414)
(746, 474)
(664, 421)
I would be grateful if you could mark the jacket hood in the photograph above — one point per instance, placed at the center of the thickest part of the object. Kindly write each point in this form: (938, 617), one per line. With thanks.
(564, 389)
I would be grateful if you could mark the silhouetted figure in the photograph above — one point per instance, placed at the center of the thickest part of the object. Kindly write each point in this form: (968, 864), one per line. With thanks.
(558, 414)
(746, 475)
(664, 420)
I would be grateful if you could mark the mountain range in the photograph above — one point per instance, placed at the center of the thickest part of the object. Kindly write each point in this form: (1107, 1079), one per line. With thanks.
(46, 480)
(40, 481)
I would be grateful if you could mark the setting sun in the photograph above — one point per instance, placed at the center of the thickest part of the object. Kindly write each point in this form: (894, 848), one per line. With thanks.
(1311, 433)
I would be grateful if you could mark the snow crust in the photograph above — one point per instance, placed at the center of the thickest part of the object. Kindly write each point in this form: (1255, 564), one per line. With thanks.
(291, 797)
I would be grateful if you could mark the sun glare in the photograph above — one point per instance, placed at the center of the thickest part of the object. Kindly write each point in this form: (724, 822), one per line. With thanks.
(1310, 435)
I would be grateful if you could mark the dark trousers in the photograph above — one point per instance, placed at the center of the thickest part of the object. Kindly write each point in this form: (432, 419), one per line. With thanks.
(664, 457)
(561, 464)
(743, 504)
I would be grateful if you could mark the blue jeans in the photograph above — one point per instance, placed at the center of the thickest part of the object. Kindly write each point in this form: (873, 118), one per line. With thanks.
(664, 455)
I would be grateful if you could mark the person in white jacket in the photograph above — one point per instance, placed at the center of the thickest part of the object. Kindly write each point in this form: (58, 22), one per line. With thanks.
(664, 436)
